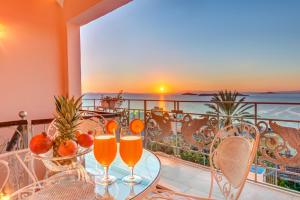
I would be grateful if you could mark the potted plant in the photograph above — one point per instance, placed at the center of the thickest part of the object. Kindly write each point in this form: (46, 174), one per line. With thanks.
(111, 103)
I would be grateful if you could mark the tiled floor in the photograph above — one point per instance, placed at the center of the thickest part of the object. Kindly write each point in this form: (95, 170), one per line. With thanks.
(188, 179)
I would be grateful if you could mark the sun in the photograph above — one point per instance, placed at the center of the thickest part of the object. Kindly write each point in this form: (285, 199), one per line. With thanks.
(162, 89)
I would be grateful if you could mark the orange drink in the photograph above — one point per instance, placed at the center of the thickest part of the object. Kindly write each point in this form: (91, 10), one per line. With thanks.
(105, 149)
(131, 149)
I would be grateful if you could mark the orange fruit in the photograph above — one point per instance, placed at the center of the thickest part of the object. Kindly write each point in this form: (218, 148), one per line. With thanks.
(111, 126)
(136, 126)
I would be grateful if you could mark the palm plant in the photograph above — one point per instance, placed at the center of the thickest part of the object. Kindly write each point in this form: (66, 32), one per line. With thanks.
(226, 104)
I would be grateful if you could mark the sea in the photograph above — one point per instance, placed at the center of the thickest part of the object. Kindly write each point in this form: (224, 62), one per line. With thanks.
(264, 110)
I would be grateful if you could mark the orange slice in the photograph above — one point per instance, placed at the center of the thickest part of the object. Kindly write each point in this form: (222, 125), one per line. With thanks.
(136, 126)
(111, 126)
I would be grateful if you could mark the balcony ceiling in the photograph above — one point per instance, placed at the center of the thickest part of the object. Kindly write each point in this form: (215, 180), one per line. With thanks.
(60, 2)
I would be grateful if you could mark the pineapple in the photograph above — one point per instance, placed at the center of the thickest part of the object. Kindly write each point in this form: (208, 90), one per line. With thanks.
(67, 118)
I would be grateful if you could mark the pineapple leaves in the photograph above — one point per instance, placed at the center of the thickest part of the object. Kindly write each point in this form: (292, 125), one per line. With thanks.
(67, 116)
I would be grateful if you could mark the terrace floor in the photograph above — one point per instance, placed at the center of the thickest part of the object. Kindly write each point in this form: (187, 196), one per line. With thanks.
(180, 176)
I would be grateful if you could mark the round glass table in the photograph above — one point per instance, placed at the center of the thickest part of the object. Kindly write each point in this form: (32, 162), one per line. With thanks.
(148, 168)
(80, 184)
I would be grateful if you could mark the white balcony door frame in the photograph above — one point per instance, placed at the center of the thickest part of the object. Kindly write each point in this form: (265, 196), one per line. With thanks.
(73, 40)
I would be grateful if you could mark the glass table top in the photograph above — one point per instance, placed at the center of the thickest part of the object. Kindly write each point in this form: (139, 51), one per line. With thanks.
(79, 184)
(148, 168)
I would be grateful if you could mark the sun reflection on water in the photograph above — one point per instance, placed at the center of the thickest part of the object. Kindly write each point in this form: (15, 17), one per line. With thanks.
(162, 103)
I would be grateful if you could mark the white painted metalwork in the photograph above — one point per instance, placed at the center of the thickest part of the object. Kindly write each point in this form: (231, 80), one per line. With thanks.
(5, 172)
(17, 171)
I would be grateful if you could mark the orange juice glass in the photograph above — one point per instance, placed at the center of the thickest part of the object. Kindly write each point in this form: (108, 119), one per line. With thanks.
(131, 150)
(105, 151)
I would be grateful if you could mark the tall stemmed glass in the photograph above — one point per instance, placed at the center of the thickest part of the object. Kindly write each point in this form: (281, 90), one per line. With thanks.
(131, 148)
(105, 150)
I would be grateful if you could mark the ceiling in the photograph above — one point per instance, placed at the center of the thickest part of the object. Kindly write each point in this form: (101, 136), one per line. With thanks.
(60, 2)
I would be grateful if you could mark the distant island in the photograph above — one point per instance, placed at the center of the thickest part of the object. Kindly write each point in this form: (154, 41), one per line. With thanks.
(269, 93)
(280, 92)
(188, 93)
(208, 94)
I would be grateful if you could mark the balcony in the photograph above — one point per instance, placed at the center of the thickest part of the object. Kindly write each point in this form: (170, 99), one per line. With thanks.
(41, 57)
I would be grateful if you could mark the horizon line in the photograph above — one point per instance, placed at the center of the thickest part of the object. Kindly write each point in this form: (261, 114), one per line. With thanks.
(195, 91)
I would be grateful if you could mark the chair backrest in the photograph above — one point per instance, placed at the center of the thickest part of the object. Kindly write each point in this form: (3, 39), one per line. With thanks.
(4, 175)
(15, 171)
(3, 144)
(231, 155)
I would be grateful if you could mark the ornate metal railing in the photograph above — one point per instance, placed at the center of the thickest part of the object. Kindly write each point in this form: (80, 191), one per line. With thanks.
(185, 129)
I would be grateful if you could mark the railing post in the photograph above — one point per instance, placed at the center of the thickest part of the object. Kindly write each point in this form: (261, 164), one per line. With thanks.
(175, 105)
(128, 108)
(24, 129)
(255, 113)
(145, 110)
(94, 104)
(20, 134)
(145, 124)
(178, 105)
(256, 157)
(276, 175)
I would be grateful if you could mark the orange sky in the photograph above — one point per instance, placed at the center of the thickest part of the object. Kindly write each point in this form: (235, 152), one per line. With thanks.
(202, 45)
(147, 83)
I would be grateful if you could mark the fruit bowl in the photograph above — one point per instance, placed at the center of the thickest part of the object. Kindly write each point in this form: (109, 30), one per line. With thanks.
(68, 137)
(62, 163)
(67, 161)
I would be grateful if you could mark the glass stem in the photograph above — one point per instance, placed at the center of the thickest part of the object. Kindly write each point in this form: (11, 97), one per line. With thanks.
(105, 173)
(131, 172)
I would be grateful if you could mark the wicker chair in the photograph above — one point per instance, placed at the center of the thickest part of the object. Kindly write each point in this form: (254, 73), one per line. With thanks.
(231, 154)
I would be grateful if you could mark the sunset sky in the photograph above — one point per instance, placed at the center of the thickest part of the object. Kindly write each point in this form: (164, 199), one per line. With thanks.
(193, 45)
